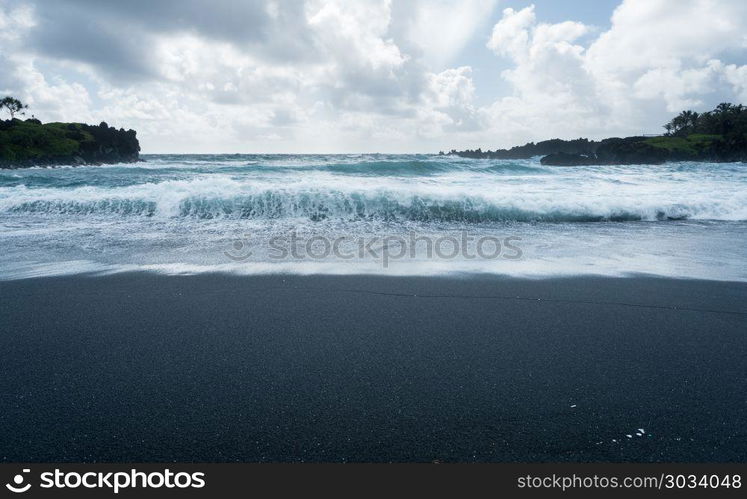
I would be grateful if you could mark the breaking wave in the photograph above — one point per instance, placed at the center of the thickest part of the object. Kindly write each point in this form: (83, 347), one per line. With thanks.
(216, 198)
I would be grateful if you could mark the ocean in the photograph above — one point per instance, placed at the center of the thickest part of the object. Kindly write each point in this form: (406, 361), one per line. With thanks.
(374, 214)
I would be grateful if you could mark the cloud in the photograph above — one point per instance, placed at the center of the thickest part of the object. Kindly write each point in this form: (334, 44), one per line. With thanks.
(14, 22)
(20, 77)
(451, 101)
(511, 34)
(115, 37)
(654, 33)
(121, 56)
(393, 75)
(653, 61)
(364, 68)
(552, 89)
(736, 76)
(438, 30)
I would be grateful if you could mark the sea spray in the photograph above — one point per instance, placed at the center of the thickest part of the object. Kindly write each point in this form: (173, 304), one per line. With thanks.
(172, 213)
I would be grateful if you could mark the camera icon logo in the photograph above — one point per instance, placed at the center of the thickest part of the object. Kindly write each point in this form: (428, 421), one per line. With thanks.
(239, 250)
(17, 485)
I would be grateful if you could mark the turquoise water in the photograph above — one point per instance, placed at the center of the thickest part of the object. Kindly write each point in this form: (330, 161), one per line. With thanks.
(202, 213)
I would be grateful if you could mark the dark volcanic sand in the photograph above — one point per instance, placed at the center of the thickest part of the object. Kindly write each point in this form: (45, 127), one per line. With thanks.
(139, 367)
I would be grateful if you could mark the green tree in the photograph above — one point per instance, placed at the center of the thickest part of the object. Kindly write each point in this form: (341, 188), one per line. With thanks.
(13, 106)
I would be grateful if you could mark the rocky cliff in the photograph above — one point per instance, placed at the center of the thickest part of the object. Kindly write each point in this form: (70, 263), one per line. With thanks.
(30, 143)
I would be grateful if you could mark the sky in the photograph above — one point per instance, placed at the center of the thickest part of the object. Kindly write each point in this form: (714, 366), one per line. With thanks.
(346, 76)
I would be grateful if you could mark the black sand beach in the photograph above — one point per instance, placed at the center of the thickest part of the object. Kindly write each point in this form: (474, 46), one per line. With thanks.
(140, 367)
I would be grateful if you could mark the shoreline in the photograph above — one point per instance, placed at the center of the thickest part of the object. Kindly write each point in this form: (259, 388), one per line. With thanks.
(217, 368)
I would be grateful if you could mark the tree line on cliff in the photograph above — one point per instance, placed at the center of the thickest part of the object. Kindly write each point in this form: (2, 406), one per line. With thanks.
(717, 135)
(30, 142)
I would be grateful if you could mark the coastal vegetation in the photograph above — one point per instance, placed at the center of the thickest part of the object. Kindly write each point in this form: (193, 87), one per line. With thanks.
(718, 135)
(30, 142)
(13, 106)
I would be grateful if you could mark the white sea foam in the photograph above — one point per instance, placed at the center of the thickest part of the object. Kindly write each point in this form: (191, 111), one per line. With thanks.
(178, 214)
(467, 197)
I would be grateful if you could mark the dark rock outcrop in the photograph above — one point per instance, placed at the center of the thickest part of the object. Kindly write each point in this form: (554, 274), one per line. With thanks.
(626, 151)
(630, 151)
(530, 150)
(30, 143)
(653, 151)
(644, 150)
(568, 159)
